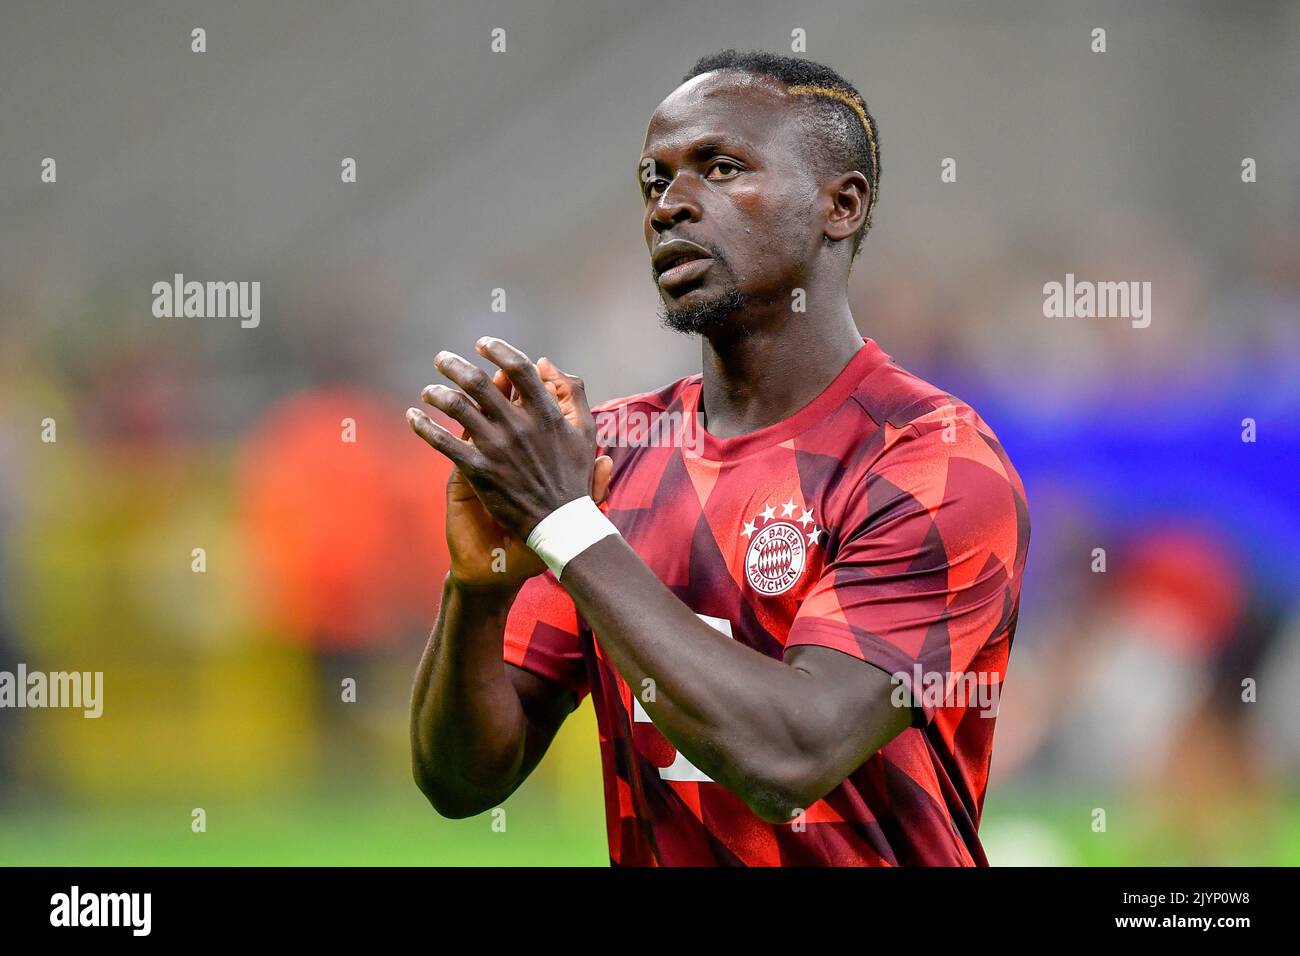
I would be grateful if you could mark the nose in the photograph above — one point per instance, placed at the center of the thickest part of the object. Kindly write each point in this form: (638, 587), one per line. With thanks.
(676, 204)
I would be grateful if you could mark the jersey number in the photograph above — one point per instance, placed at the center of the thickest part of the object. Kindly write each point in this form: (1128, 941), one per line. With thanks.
(681, 768)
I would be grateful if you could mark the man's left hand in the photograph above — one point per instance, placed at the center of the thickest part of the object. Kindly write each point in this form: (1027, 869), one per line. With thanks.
(524, 458)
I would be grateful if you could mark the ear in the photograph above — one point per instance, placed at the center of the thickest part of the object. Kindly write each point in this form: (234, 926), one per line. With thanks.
(846, 203)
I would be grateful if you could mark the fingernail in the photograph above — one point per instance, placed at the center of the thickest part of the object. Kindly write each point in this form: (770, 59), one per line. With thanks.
(412, 415)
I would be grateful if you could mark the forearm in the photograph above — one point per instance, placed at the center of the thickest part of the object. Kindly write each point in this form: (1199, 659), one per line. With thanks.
(751, 722)
(778, 733)
(468, 727)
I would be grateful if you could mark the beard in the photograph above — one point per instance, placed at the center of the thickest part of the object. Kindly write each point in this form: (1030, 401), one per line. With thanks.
(704, 318)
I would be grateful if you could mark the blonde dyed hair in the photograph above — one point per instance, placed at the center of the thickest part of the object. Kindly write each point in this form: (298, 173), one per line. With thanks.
(856, 104)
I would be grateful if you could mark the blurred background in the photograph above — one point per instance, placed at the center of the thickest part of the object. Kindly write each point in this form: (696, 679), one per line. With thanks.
(478, 171)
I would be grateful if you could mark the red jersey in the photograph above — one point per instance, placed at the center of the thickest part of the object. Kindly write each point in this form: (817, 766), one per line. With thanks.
(882, 520)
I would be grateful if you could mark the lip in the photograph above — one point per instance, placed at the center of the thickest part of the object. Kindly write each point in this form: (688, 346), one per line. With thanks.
(677, 261)
(688, 271)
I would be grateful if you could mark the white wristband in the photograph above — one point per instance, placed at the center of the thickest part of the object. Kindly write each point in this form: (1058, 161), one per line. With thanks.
(568, 531)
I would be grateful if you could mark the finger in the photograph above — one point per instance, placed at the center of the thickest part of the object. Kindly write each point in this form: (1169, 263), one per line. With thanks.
(570, 392)
(568, 387)
(600, 478)
(462, 453)
(502, 381)
(519, 367)
(475, 382)
(548, 370)
(457, 405)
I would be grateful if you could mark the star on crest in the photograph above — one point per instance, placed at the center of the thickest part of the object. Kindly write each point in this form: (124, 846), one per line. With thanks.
(788, 510)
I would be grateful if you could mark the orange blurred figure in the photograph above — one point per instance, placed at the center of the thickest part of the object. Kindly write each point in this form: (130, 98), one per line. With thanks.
(344, 513)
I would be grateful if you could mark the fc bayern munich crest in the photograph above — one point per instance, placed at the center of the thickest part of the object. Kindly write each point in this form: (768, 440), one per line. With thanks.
(778, 547)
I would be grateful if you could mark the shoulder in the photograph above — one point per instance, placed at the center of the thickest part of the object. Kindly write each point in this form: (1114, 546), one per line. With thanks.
(918, 420)
(933, 452)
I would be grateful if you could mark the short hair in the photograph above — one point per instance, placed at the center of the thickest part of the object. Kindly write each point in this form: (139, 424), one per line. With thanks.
(847, 134)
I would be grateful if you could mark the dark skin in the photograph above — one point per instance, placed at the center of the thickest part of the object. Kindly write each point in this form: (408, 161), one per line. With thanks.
(728, 172)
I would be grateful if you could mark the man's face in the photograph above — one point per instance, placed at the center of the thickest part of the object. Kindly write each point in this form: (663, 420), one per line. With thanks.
(732, 217)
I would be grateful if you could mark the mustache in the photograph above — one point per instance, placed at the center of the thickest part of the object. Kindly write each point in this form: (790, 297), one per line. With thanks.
(713, 250)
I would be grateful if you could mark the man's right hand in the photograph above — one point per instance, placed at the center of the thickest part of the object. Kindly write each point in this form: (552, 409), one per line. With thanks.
(483, 554)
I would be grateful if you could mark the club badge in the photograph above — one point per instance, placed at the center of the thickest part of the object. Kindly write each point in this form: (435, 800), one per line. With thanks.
(778, 547)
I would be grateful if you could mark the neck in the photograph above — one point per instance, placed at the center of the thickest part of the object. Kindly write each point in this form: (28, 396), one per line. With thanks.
(765, 372)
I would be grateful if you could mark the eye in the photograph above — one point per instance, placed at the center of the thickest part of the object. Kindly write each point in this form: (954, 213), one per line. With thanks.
(655, 187)
(722, 169)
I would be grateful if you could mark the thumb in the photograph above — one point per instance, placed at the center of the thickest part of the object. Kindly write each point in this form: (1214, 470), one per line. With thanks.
(600, 478)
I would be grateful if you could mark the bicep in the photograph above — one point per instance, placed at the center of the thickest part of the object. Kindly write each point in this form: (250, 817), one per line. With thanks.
(853, 713)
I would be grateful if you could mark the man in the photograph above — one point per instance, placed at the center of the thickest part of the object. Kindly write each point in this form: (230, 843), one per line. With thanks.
(793, 623)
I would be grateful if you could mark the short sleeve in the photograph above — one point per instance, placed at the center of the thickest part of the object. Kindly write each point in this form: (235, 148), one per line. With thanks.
(542, 634)
(926, 573)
